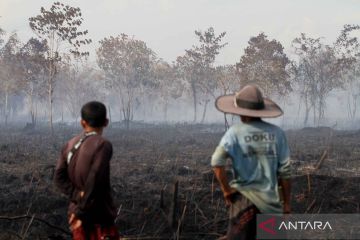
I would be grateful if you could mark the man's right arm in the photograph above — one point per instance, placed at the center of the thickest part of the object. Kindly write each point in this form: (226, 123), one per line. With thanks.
(284, 173)
(286, 192)
(218, 162)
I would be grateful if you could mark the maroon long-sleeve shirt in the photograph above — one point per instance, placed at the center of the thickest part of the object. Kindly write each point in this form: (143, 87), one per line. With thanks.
(88, 171)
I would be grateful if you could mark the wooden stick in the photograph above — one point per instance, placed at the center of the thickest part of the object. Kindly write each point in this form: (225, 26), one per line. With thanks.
(28, 227)
(180, 223)
(322, 159)
(118, 213)
(174, 206)
(36, 219)
(162, 199)
(212, 189)
(311, 205)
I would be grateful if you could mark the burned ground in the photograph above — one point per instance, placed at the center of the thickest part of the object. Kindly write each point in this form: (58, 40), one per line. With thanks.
(147, 163)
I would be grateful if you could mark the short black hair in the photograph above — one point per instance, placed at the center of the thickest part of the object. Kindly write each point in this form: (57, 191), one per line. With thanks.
(94, 113)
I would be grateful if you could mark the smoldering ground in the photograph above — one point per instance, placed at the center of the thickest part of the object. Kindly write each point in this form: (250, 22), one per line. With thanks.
(162, 181)
(148, 161)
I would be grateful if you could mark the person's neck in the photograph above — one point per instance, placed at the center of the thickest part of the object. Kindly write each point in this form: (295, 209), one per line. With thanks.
(246, 119)
(99, 131)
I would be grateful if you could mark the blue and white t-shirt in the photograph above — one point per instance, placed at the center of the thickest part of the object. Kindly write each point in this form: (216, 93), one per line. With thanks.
(260, 154)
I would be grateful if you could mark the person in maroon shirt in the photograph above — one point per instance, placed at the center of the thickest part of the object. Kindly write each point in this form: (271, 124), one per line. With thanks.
(83, 174)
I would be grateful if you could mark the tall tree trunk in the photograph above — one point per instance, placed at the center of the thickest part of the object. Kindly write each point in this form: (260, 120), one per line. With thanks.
(321, 114)
(6, 106)
(50, 107)
(165, 110)
(52, 72)
(151, 110)
(62, 114)
(314, 115)
(109, 107)
(352, 105)
(226, 122)
(126, 111)
(35, 114)
(50, 92)
(144, 108)
(194, 99)
(307, 112)
(204, 112)
(354, 108)
(127, 116)
(32, 111)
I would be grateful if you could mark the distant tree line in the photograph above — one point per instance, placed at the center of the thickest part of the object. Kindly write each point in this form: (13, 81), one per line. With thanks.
(51, 73)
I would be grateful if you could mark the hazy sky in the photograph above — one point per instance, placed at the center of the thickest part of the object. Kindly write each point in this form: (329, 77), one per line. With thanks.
(167, 26)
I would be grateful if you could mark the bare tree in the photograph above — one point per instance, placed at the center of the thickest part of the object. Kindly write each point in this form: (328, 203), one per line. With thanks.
(197, 66)
(352, 80)
(317, 73)
(168, 83)
(11, 72)
(228, 81)
(347, 46)
(58, 26)
(33, 62)
(79, 84)
(127, 65)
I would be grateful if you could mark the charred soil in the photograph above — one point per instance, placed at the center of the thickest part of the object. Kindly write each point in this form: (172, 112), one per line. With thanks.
(162, 181)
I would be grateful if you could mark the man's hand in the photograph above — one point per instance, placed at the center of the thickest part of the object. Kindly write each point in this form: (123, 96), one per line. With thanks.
(74, 222)
(229, 192)
(287, 209)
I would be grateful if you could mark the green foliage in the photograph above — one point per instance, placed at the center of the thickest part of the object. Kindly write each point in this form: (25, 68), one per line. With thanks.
(227, 79)
(167, 80)
(196, 66)
(265, 64)
(127, 64)
(10, 64)
(347, 44)
(126, 61)
(10, 73)
(317, 73)
(200, 59)
(60, 23)
(33, 62)
(2, 33)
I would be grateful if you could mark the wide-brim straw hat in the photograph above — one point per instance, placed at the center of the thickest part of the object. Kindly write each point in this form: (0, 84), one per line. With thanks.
(250, 102)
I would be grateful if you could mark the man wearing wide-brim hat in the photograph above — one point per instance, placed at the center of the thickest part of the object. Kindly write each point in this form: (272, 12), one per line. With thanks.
(260, 161)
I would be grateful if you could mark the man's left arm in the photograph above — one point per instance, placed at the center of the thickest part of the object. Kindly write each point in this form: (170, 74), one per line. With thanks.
(61, 176)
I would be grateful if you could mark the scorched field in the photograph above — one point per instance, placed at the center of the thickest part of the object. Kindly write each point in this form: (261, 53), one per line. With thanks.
(162, 181)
